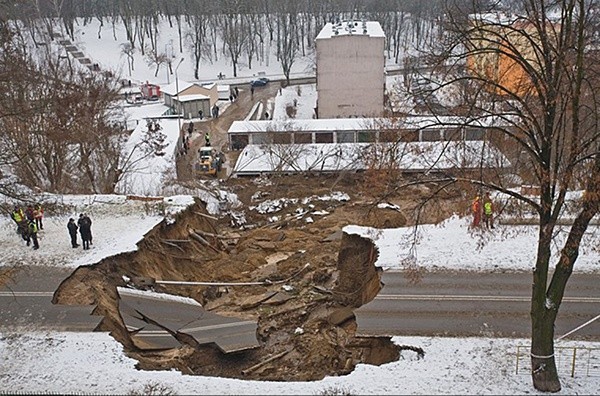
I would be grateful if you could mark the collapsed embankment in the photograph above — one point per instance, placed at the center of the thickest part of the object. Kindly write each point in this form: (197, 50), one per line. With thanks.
(306, 333)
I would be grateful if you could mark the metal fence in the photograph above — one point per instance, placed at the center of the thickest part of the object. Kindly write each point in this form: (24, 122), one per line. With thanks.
(572, 361)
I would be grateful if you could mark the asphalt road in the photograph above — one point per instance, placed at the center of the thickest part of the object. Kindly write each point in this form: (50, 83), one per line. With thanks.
(448, 304)
(474, 304)
(26, 305)
(26, 302)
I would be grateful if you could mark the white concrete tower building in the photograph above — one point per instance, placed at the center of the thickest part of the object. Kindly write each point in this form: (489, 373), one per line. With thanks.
(350, 70)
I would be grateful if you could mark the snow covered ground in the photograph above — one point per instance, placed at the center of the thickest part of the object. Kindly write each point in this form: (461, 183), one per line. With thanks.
(96, 363)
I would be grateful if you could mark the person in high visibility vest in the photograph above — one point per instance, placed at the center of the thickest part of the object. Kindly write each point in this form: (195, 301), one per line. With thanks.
(17, 215)
(488, 211)
(32, 234)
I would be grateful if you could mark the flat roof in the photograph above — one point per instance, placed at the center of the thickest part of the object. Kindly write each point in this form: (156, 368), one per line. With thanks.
(190, 98)
(351, 28)
(357, 124)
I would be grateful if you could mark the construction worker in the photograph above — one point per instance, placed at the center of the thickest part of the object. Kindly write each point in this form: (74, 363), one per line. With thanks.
(488, 211)
(207, 139)
(17, 215)
(476, 208)
(32, 234)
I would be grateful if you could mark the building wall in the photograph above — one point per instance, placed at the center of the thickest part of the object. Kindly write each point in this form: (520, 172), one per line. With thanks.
(512, 40)
(350, 76)
(190, 109)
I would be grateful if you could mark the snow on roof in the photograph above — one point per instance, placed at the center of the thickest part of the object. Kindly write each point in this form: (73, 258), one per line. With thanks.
(356, 124)
(129, 90)
(223, 88)
(171, 89)
(351, 28)
(190, 98)
(330, 157)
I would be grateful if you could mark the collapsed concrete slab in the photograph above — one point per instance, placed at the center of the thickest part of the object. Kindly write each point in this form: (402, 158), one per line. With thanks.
(162, 321)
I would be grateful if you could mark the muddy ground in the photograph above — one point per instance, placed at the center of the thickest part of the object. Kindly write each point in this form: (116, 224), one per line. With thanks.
(340, 276)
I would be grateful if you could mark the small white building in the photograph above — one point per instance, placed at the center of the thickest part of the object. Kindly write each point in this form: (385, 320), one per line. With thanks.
(350, 69)
(191, 98)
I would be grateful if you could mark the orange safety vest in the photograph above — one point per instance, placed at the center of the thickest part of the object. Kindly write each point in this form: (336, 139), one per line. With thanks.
(476, 205)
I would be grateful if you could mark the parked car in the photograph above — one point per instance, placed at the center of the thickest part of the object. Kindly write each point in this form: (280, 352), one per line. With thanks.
(259, 82)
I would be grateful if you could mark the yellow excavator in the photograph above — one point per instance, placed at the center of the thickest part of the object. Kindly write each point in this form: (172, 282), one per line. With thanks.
(209, 162)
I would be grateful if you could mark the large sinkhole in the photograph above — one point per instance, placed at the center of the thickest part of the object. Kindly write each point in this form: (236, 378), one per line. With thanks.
(298, 307)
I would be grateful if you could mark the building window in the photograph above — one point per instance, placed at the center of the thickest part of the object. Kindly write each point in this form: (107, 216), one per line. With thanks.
(452, 134)
(324, 137)
(431, 135)
(474, 134)
(238, 142)
(409, 135)
(345, 136)
(261, 138)
(390, 135)
(302, 137)
(366, 136)
(282, 137)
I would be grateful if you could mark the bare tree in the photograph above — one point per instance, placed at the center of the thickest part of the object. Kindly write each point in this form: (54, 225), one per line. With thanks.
(157, 59)
(233, 25)
(287, 40)
(58, 128)
(128, 50)
(537, 73)
(196, 40)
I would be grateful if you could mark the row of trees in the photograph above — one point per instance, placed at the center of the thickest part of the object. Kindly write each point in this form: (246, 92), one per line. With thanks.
(241, 30)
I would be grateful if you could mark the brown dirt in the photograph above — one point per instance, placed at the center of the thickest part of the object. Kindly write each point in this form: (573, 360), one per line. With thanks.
(342, 266)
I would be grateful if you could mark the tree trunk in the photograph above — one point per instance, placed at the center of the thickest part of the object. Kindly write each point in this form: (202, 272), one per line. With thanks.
(543, 363)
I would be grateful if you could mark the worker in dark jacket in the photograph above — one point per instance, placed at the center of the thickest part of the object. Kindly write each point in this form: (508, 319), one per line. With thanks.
(72, 227)
(85, 229)
(32, 234)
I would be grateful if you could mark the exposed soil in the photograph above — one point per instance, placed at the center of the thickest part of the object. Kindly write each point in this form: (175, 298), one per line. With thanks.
(340, 277)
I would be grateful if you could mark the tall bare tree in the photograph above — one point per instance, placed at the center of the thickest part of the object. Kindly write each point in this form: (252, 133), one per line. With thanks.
(287, 39)
(537, 73)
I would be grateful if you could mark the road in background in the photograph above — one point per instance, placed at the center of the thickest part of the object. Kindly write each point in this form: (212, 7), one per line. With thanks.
(474, 304)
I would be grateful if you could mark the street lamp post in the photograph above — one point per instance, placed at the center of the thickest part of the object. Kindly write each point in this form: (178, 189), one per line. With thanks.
(178, 102)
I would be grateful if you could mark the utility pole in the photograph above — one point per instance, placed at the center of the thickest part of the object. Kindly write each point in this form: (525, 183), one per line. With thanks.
(178, 102)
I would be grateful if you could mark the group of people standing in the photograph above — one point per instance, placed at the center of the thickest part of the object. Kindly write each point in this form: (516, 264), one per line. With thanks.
(29, 221)
(486, 209)
(84, 225)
